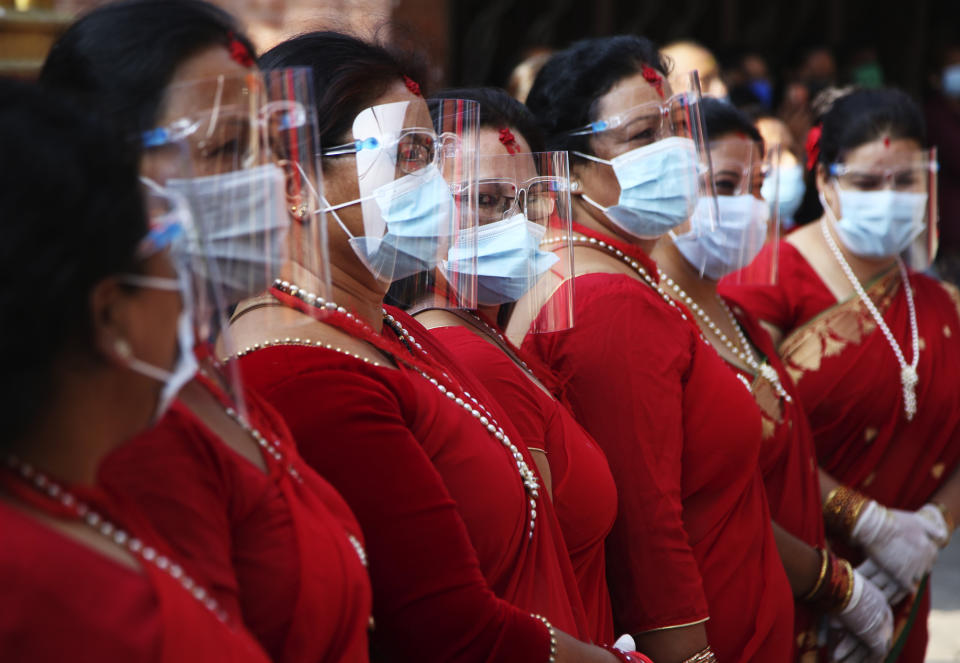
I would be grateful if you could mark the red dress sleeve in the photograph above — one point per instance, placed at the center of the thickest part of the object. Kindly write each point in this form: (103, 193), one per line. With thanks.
(651, 569)
(431, 601)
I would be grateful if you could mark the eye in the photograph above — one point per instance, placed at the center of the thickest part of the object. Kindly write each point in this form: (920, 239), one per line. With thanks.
(726, 186)
(865, 182)
(488, 200)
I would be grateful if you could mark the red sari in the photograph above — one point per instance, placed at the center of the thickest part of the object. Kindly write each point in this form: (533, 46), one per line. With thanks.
(789, 466)
(848, 381)
(692, 539)
(65, 601)
(583, 490)
(454, 571)
(281, 552)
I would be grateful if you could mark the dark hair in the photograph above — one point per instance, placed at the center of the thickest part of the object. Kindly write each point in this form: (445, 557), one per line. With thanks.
(121, 57)
(864, 116)
(349, 75)
(72, 214)
(563, 94)
(721, 118)
(498, 109)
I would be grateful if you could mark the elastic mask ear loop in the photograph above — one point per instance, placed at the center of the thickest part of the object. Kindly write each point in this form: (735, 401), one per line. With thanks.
(605, 162)
(593, 202)
(332, 209)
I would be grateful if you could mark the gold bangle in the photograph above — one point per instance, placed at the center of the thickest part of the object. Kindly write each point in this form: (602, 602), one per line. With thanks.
(824, 559)
(705, 655)
(842, 508)
(553, 638)
(849, 573)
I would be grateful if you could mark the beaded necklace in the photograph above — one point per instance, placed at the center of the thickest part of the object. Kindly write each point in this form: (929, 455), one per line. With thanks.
(416, 358)
(64, 501)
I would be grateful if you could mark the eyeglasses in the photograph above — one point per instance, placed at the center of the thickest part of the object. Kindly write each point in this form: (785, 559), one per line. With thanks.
(913, 177)
(536, 198)
(644, 123)
(273, 116)
(416, 148)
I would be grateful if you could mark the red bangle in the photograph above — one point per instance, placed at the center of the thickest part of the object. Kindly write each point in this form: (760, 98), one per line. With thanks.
(626, 656)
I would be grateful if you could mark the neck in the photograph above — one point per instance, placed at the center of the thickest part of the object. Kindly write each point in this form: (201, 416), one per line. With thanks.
(590, 217)
(673, 264)
(489, 313)
(353, 287)
(865, 269)
(83, 423)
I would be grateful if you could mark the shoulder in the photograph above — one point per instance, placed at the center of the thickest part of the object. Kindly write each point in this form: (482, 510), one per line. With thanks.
(948, 292)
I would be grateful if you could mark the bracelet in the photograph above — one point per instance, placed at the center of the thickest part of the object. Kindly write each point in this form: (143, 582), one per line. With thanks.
(834, 593)
(705, 655)
(626, 656)
(947, 516)
(824, 562)
(848, 570)
(553, 638)
(842, 508)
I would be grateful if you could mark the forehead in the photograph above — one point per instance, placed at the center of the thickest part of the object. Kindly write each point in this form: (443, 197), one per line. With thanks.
(878, 153)
(496, 162)
(628, 93)
(198, 81)
(774, 132)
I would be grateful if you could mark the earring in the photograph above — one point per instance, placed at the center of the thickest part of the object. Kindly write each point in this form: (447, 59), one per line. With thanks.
(575, 186)
(122, 348)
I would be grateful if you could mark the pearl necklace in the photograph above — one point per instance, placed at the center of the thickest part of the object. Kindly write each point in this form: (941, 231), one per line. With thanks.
(908, 372)
(113, 534)
(458, 395)
(744, 351)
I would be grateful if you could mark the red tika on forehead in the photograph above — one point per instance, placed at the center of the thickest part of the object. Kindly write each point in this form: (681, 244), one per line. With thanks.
(509, 141)
(653, 77)
(239, 53)
(412, 85)
(886, 141)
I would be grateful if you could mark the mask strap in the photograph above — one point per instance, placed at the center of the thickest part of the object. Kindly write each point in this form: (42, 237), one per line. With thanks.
(155, 282)
(593, 158)
(332, 209)
(826, 208)
(593, 202)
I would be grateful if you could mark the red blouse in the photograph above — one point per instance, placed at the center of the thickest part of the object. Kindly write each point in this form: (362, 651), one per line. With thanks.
(440, 499)
(692, 538)
(583, 490)
(278, 551)
(65, 601)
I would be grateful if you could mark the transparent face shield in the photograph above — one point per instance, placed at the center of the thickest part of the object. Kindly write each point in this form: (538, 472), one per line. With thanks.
(745, 223)
(415, 176)
(887, 208)
(658, 154)
(522, 243)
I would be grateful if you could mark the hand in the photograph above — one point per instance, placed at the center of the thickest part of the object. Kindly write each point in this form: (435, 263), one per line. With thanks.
(899, 541)
(850, 650)
(893, 591)
(937, 528)
(868, 617)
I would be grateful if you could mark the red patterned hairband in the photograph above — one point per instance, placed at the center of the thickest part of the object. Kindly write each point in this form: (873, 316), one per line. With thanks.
(812, 145)
(653, 77)
(412, 85)
(239, 52)
(509, 141)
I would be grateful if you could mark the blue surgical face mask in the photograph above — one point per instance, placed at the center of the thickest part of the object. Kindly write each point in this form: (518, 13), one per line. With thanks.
(951, 81)
(416, 209)
(792, 188)
(878, 224)
(658, 187)
(740, 234)
(509, 259)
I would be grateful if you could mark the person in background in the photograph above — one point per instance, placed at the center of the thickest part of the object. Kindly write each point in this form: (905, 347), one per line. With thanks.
(872, 345)
(943, 126)
(92, 320)
(219, 476)
(523, 75)
(789, 176)
(686, 56)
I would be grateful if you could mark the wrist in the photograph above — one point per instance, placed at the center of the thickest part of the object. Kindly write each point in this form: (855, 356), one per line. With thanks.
(626, 656)
(834, 589)
(705, 655)
(948, 518)
(842, 509)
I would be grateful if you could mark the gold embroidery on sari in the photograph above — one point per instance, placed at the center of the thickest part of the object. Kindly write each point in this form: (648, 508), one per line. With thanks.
(835, 329)
(770, 404)
(869, 433)
(937, 470)
(954, 293)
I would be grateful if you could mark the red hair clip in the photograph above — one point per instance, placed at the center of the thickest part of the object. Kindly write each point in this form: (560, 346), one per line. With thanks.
(239, 52)
(812, 145)
(509, 141)
(653, 77)
(412, 85)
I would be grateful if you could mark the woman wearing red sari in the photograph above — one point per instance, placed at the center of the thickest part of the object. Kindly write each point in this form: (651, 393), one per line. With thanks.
(516, 178)
(869, 356)
(91, 286)
(691, 265)
(681, 433)
(463, 544)
(219, 476)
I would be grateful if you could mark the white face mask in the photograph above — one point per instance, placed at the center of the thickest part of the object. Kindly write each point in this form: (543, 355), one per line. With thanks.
(185, 367)
(740, 234)
(243, 223)
(878, 224)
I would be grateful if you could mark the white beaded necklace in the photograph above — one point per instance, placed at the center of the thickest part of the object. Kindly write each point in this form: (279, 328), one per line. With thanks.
(463, 399)
(908, 372)
(744, 351)
(114, 534)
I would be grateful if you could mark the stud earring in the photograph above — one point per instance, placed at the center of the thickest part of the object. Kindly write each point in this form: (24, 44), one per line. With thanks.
(122, 348)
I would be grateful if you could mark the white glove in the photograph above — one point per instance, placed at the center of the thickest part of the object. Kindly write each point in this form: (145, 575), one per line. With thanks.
(899, 541)
(625, 643)
(868, 617)
(892, 590)
(850, 650)
(936, 524)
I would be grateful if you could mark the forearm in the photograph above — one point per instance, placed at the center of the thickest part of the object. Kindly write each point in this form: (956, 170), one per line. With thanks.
(800, 560)
(672, 645)
(827, 484)
(571, 650)
(949, 497)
